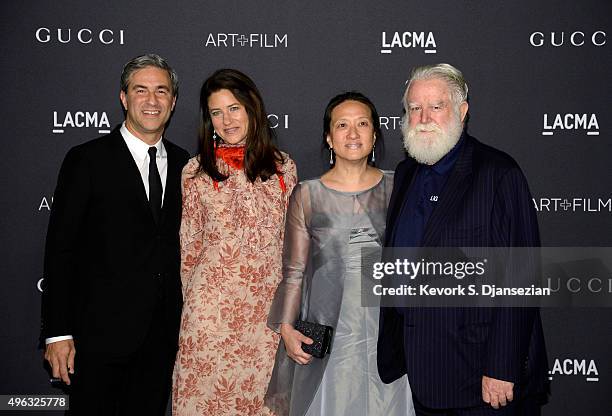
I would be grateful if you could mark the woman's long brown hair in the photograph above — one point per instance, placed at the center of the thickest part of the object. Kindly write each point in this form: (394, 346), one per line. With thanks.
(261, 156)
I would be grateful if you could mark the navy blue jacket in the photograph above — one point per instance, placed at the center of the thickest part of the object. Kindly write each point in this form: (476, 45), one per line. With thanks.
(446, 351)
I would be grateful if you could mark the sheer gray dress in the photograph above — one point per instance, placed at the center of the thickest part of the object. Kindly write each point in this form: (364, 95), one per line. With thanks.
(325, 232)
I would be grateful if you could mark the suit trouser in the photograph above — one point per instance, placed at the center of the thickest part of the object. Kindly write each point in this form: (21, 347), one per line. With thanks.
(135, 384)
(526, 407)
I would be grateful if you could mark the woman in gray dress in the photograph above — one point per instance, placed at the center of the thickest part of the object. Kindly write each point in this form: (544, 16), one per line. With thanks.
(329, 221)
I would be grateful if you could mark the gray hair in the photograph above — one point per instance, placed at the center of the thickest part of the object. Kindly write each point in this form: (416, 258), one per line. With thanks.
(446, 72)
(144, 61)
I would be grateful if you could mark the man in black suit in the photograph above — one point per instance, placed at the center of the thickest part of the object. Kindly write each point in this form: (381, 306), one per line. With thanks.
(112, 299)
(457, 192)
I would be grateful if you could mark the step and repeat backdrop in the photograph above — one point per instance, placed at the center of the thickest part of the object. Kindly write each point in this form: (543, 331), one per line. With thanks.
(539, 80)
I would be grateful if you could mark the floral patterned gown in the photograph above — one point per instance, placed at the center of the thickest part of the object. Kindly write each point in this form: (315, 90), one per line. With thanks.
(231, 253)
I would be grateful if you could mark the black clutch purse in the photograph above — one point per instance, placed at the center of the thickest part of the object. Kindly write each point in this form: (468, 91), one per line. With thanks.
(320, 334)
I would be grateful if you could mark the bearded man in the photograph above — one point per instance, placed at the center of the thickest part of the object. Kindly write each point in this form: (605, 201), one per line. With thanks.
(455, 191)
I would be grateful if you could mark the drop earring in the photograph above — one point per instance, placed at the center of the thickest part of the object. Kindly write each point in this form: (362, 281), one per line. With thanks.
(373, 154)
(331, 156)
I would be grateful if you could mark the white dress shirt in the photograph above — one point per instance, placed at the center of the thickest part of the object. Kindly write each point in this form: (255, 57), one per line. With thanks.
(140, 153)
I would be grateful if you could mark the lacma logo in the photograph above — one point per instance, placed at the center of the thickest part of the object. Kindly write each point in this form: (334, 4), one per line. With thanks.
(83, 35)
(80, 119)
(575, 367)
(570, 121)
(423, 40)
(249, 40)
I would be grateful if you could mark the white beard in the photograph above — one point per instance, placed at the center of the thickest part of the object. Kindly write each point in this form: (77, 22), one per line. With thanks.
(428, 149)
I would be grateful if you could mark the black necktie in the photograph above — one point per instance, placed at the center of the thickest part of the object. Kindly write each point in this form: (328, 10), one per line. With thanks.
(155, 185)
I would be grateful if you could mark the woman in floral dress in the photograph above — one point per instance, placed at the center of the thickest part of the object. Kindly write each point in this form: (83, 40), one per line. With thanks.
(235, 195)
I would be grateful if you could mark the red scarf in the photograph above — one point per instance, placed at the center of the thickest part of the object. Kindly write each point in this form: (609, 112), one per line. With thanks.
(233, 156)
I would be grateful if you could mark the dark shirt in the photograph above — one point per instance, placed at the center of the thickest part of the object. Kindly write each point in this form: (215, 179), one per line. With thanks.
(422, 198)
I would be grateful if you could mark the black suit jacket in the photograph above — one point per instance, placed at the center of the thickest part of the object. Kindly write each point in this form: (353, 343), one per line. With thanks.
(108, 264)
(446, 351)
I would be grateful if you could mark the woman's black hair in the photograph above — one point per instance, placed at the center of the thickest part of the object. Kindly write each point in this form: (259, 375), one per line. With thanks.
(359, 97)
